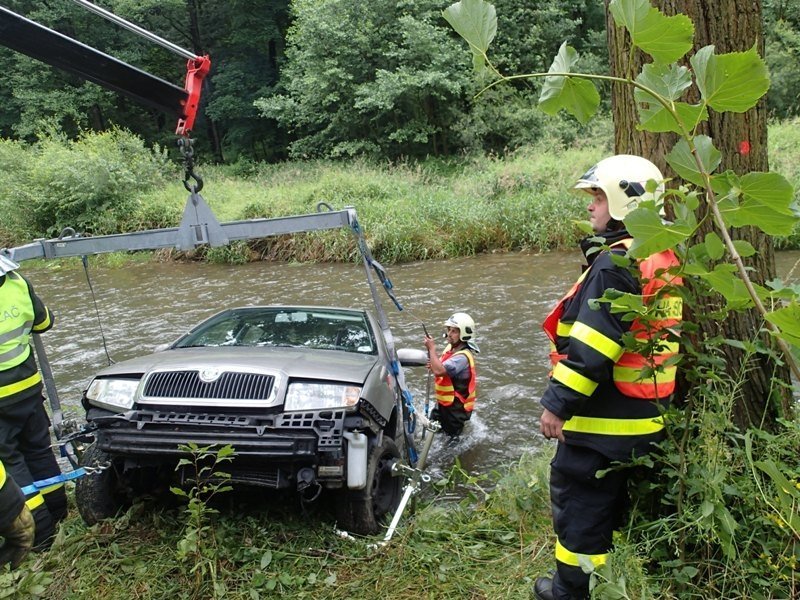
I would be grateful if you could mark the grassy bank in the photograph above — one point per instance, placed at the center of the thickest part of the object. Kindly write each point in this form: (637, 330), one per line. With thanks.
(488, 545)
(435, 209)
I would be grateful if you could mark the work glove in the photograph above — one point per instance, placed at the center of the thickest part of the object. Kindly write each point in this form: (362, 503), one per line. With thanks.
(19, 538)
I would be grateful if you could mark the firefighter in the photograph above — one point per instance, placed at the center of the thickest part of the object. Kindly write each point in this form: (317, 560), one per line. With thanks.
(16, 522)
(455, 374)
(599, 403)
(24, 425)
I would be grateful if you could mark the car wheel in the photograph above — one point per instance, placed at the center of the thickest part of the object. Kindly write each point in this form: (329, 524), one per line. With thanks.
(100, 495)
(362, 511)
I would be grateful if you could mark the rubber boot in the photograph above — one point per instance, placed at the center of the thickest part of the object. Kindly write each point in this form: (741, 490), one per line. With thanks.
(543, 588)
(19, 538)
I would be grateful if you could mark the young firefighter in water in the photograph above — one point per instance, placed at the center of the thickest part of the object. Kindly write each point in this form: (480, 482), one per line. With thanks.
(455, 374)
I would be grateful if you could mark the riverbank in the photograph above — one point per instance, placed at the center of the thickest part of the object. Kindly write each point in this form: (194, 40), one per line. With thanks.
(488, 545)
(436, 209)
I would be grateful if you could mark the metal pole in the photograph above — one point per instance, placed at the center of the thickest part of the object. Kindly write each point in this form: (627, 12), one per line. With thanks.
(412, 486)
(136, 29)
(49, 383)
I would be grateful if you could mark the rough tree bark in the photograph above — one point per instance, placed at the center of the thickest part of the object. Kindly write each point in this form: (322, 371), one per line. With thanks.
(731, 26)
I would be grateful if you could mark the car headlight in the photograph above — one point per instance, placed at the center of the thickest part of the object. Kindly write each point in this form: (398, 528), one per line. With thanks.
(317, 396)
(112, 394)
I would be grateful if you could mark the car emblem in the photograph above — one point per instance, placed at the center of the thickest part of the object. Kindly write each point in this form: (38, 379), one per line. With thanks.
(209, 375)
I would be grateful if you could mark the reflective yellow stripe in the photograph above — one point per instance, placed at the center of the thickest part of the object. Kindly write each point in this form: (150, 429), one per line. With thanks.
(668, 308)
(574, 380)
(51, 488)
(44, 324)
(13, 388)
(573, 559)
(563, 329)
(2, 475)
(34, 502)
(594, 339)
(633, 375)
(603, 426)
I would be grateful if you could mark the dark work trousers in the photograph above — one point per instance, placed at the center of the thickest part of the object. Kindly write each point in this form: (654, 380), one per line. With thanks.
(586, 511)
(452, 418)
(26, 453)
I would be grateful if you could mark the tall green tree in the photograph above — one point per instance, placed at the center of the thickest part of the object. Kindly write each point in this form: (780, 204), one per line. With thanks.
(383, 78)
(741, 137)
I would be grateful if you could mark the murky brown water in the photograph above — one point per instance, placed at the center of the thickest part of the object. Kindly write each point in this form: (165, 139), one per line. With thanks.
(508, 295)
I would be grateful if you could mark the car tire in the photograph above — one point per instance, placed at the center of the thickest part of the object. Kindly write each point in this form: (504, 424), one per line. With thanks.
(99, 495)
(362, 511)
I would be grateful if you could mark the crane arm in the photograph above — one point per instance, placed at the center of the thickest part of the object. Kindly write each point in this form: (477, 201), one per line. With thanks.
(55, 49)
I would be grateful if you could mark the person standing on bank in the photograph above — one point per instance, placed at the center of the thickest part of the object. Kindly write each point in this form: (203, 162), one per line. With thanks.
(24, 425)
(16, 522)
(455, 374)
(597, 403)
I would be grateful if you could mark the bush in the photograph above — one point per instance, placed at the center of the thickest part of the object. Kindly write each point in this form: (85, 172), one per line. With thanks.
(92, 184)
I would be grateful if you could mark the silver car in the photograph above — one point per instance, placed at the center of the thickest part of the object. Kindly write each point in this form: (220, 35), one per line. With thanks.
(308, 397)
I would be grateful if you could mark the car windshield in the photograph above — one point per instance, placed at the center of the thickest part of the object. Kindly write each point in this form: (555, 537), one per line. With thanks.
(327, 329)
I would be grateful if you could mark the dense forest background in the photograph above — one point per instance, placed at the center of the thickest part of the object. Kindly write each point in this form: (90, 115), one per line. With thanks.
(384, 79)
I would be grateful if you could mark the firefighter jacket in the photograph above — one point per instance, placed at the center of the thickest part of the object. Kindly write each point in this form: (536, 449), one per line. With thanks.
(463, 389)
(612, 397)
(11, 499)
(21, 312)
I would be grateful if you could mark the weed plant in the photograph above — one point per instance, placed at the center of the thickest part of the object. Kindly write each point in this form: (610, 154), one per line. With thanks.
(489, 544)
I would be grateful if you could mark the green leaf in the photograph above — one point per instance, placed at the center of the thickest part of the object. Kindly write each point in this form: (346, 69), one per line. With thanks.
(664, 38)
(766, 203)
(680, 158)
(669, 82)
(656, 118)
(476, 22)
(714, 246)
(651, 234)
(731, 82)
(744, 248)
(266, 559)
(787, 319)
(578, 97)
(724, 281)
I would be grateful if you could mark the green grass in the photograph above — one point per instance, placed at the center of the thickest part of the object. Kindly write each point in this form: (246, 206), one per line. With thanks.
(437, 209)
(488, 545)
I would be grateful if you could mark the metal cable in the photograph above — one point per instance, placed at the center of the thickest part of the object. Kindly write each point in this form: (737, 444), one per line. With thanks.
(136, 29)
(85, 261)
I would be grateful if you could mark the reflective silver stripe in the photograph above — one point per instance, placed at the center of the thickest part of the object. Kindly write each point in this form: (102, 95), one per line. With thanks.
(12, 354)
(25, 328)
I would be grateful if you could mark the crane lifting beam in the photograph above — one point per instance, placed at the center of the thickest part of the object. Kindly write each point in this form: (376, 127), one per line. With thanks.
(198, 227)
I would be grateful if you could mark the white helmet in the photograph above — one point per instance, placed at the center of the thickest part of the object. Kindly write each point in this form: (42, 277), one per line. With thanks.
(465, 324)
(623, 178)
(7, 265)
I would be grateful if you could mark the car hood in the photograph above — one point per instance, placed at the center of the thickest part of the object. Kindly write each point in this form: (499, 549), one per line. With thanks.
(331, 365)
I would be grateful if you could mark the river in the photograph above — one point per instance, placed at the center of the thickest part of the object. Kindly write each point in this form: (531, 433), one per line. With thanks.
(144, 305)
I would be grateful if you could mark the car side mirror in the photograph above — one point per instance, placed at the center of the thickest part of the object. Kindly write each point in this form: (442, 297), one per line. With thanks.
(160, 348)
(412, 357)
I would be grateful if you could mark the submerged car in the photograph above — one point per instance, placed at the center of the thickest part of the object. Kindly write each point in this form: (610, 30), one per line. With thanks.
(306, 396)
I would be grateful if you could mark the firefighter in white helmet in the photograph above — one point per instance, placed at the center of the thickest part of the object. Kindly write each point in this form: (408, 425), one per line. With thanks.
(455, 373)
(598, 404)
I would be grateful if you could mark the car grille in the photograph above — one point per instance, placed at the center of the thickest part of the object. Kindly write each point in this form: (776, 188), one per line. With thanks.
(229, 386)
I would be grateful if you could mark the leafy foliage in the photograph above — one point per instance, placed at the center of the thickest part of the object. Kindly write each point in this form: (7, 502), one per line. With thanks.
(711, 484)
(91, 184)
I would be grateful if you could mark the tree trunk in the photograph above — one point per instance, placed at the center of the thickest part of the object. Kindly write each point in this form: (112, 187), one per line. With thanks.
(731, 26)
